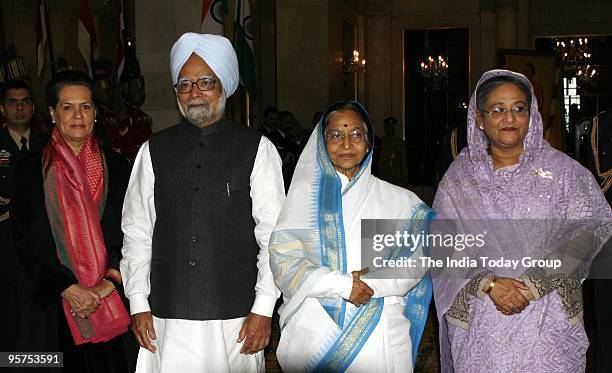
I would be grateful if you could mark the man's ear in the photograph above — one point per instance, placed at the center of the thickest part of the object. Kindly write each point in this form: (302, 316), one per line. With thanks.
(2, 109)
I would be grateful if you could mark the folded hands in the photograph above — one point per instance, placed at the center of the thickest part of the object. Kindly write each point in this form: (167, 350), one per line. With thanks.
(510, 296)
(85, 300)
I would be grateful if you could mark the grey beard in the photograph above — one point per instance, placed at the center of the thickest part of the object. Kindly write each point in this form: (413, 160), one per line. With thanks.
(201, 116)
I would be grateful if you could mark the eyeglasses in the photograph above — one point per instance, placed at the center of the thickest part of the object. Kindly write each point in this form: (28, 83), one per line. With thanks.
(15, 102)
(500, 112)
(204, 84)
(335, 136)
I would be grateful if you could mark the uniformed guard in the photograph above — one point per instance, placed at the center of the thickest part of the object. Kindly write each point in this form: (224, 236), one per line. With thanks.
(392, 164)
(601, 164)
(16, 141)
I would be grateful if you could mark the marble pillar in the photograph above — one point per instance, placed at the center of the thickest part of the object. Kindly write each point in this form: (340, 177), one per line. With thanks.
(302, 57)
(158, 25)
(309, 55)
(488, 38)
(507, 24)
(378, 75)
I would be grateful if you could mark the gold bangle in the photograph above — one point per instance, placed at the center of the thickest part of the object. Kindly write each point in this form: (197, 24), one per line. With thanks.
(491, 286)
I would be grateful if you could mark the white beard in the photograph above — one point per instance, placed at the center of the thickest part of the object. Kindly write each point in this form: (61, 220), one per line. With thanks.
(200, 115)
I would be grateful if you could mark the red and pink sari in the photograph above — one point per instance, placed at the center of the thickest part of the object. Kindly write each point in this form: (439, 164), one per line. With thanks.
(75, 196)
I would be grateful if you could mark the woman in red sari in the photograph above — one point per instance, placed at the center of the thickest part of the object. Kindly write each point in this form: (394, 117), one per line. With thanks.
(67, 211)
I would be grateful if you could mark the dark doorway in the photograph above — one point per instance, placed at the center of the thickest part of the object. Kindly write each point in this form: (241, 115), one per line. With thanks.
(432, 109)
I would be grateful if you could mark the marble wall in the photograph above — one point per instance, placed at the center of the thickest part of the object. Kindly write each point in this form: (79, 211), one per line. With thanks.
(300, 61)
(570, 17)
(309, 55)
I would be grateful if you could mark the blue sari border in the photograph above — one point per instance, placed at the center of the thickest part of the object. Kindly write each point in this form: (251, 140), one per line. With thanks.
(351, 340)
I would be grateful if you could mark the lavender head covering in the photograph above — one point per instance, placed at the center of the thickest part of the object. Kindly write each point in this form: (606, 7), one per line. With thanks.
(216, 50)
(477, 140)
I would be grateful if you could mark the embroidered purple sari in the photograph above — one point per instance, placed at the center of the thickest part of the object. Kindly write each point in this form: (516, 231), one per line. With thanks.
(547, 185)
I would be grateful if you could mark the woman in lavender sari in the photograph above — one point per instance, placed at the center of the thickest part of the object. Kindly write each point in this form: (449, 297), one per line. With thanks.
(517, 319)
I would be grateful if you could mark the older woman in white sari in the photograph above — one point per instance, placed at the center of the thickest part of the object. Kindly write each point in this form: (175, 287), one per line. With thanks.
(335, 317)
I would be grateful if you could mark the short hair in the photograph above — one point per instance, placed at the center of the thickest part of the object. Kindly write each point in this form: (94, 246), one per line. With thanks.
(14, 84)
(268, 110)
(349, 106)
(485, 89)
(66, 79)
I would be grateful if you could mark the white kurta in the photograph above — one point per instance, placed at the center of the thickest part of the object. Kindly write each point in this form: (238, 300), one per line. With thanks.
(190, 345)
(388, 348)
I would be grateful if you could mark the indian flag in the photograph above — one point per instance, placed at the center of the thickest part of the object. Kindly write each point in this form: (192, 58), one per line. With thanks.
(120, 54)
(243, 44)
(213, 14)
(41, 35)
(87, 40)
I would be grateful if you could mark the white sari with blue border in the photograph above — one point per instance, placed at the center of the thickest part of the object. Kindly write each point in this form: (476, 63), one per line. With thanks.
(313, 250)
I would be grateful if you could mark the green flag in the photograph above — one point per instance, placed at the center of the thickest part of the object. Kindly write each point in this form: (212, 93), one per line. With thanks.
(243, 44)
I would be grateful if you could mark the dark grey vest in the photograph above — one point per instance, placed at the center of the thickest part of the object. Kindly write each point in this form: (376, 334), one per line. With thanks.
(204, 263)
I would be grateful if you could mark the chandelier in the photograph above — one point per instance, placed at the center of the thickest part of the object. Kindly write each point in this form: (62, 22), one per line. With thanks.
(434, 71)
(355, 64)
(576, 57)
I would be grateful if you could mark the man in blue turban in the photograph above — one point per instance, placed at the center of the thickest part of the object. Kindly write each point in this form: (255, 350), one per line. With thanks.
(202, 200)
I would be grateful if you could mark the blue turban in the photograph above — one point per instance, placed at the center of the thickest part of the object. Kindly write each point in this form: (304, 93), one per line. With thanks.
(215, 50)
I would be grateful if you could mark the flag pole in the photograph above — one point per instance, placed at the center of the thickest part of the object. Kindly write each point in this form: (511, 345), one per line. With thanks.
(49, 38)
(248, 108)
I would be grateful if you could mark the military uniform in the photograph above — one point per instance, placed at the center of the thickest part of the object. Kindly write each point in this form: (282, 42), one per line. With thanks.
(601, 164)
(12, 275)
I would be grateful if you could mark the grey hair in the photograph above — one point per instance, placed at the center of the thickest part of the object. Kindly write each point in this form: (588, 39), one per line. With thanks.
(353, 108)
(222, 100)
(485, 89)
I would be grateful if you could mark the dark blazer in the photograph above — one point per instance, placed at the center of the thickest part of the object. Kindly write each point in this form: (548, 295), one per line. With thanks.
(9, 157)
(12, 273)
(32, 232)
